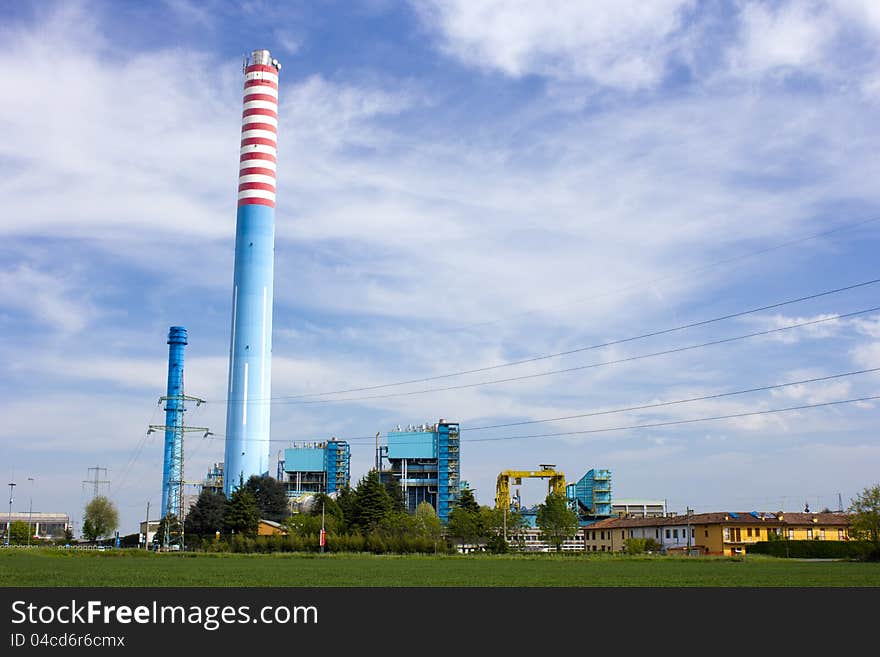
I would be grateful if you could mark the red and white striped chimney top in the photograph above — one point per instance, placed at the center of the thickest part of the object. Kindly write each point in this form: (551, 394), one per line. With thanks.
(259, 129)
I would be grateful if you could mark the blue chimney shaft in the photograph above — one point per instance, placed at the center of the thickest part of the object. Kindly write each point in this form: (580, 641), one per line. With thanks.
(250, 351)
(173, 418)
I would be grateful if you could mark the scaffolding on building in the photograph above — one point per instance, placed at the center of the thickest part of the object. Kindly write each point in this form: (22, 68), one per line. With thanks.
(310, 468)
(590, 497)
(425, 461)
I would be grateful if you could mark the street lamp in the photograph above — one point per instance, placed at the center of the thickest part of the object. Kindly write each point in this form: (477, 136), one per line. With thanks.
(30, 510)
(9, 526)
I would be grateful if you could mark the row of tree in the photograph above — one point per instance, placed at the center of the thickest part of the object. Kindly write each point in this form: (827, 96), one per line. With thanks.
(372, 516)
(374, 510)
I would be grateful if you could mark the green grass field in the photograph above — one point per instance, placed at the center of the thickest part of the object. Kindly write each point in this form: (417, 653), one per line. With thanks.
(131, 568)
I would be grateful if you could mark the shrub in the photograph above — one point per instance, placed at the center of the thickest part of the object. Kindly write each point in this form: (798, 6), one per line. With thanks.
(814, 549)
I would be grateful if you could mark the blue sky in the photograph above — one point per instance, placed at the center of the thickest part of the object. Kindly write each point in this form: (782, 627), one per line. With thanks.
(461, 184)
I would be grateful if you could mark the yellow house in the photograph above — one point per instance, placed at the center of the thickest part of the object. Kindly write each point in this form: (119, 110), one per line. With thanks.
(721, 533)
(732, 533)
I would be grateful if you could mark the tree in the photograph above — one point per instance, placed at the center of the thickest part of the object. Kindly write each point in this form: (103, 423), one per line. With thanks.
(651, 545)
(556, 520)
(310, 522)
(865, 510)
(271, 497)
(464, 521)
(427, 523)
(100, 518)
(464, 524)
(326, 505)
(205, 518)
(19, 532)
(242, 513)
(467, 501)
(501, 527)
(371, 502)
(395, 492)
(345, 501)
(65, 539)
(171, 524)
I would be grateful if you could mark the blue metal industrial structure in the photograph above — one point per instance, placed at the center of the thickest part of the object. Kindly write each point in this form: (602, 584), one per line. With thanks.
(425, 461)
(250, 353)
(310, 468)
(591, 496)
(172, 478)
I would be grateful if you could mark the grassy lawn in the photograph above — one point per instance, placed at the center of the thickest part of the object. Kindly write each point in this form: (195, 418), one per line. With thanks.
(132, 568)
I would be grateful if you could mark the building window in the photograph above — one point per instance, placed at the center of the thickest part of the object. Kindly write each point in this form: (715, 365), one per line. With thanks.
(656, 533)
(706, 533)
(675, 533)
(758, 532)
(727, 533)
(622, 533)
(749, 531)
(822, 534)
(667, 534)
(810, 533)
(631, 533)
(839, 534)
(790, 534)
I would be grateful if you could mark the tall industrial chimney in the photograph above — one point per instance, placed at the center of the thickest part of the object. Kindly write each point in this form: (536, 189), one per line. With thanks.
(250, 352)
(171, 479)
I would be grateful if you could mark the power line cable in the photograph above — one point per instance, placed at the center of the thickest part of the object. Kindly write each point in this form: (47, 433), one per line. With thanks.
(687, 272)
(643, 407)
(654, 425)
(578, 368)
(629, 408)
(569, 352)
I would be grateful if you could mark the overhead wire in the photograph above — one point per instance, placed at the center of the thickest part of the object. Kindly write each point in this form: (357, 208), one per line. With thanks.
(578, 368)
(673, 276)
(669, 423)
(569, 352)
(627, 409)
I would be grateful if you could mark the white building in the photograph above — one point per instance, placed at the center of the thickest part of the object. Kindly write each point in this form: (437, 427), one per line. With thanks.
(43, 525)
(638, 508)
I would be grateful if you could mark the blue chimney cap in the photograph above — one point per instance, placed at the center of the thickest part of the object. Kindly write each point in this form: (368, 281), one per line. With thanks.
(177, 335)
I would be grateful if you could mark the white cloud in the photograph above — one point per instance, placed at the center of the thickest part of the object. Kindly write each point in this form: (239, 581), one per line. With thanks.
(195, 12)
(866, 355)
(45, 297)
(826, 328)
(620, 44)
(784, 37)
(815, 393)
(869, 326)
(288, 43)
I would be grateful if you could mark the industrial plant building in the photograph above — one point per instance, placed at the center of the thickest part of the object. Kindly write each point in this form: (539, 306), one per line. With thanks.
(425, 461)
(214, 478)
(318, 467)
(590, 497)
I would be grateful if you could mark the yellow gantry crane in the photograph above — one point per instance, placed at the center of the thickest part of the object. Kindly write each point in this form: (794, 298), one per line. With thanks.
(556, 483)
